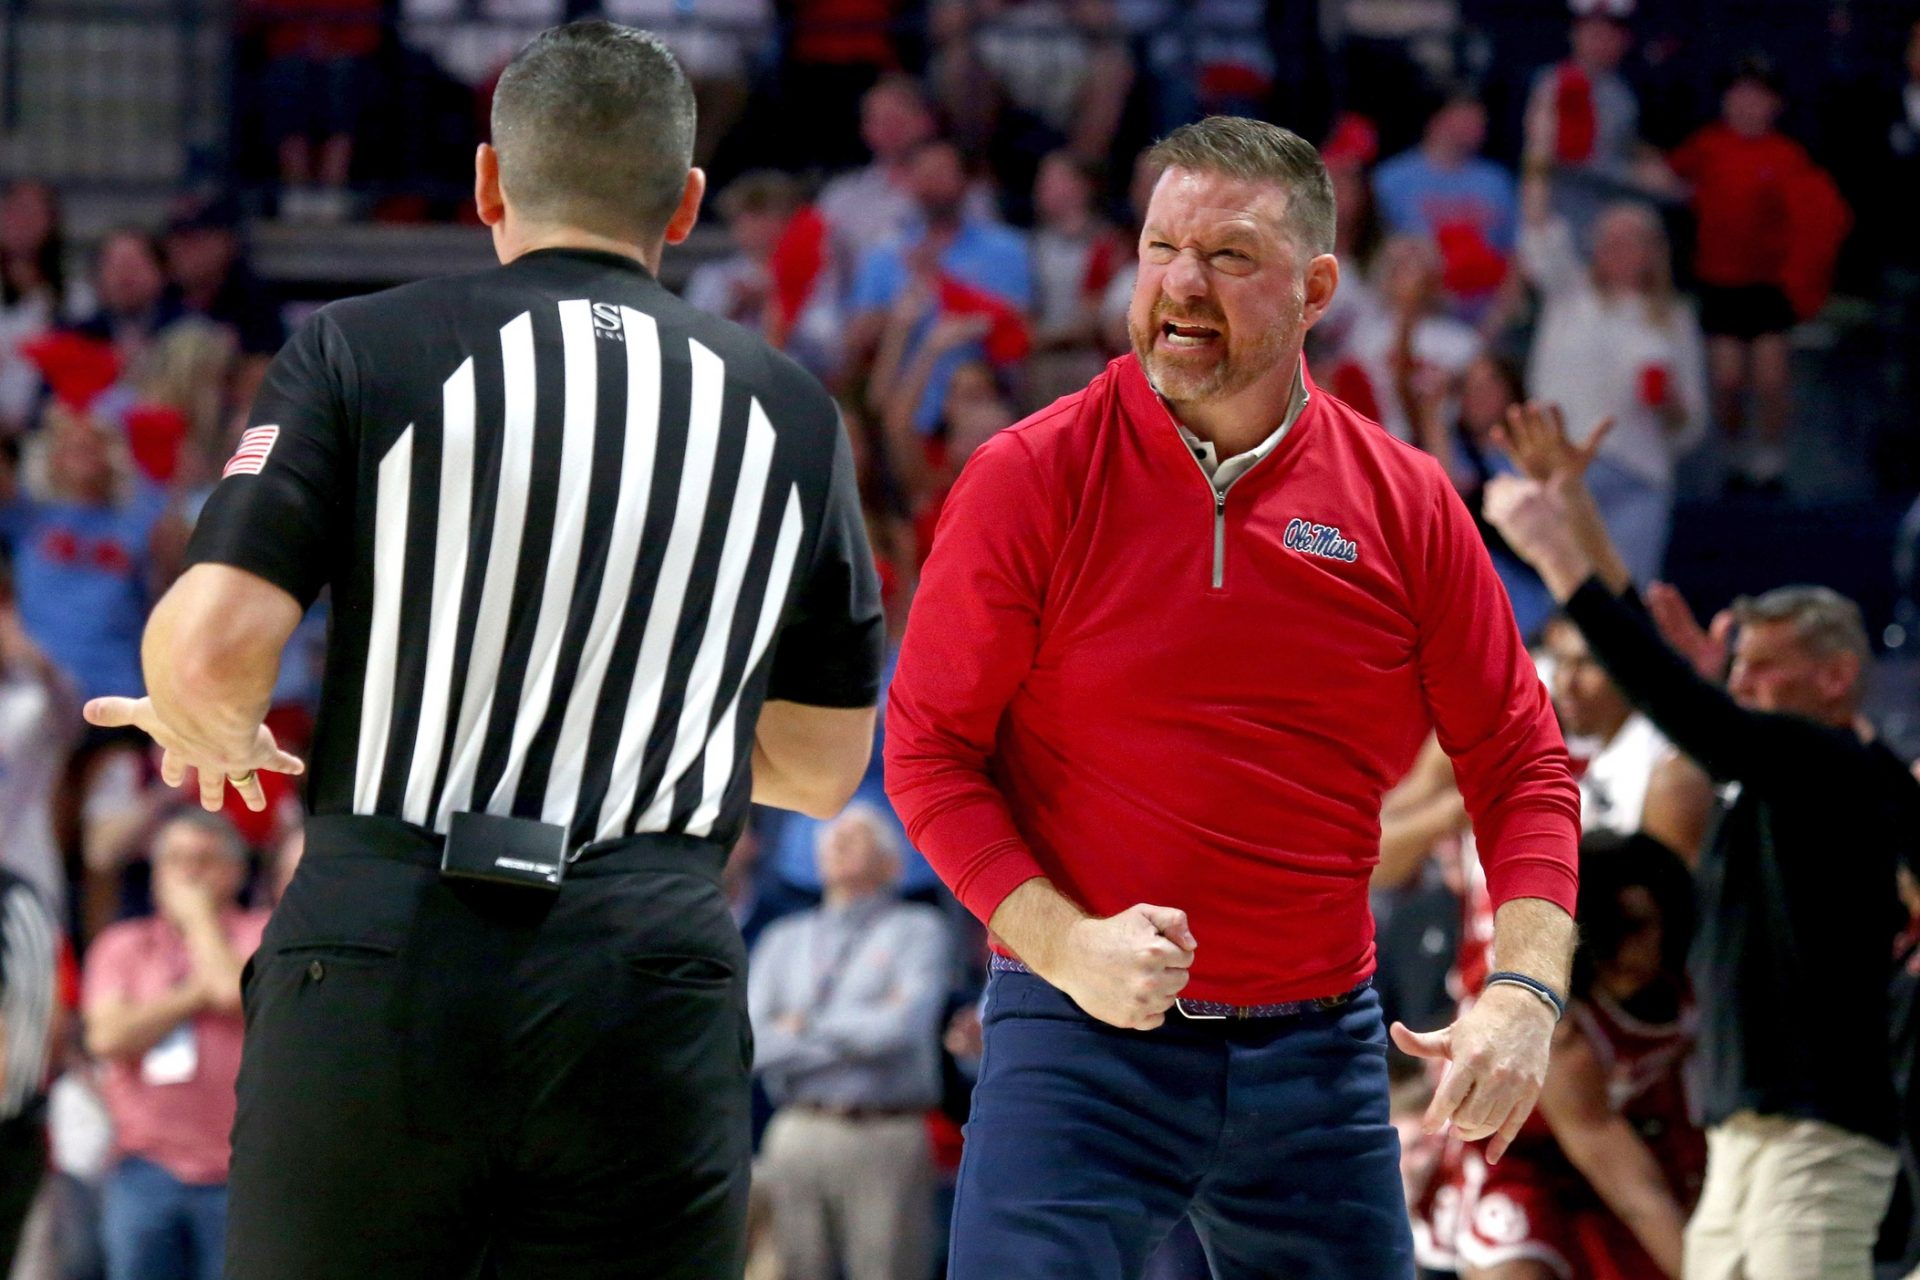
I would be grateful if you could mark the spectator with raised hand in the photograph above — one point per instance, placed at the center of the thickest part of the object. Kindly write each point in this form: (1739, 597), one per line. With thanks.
(162, 1007)
(973, 410)
(1405, 348)
(756, 208)
(1534, 436)
(1445, 191)
(1798, 910)
(952, 262)
(1076, 255)
(1583, 118)
(1615, 341)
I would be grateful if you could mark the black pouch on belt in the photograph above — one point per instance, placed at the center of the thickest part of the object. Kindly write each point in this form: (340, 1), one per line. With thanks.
(510, 851)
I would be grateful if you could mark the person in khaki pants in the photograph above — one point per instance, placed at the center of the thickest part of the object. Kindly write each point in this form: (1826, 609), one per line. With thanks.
(1793, 1078)
(846, 1002)
(1787, 1198)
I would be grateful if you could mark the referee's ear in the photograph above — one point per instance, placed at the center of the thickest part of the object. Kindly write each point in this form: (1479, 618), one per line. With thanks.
(489, 201)
(680, 226)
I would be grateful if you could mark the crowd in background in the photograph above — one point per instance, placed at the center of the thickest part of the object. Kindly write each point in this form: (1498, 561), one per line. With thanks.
(945, 235)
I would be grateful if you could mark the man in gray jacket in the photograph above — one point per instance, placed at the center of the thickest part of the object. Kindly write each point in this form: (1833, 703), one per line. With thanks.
(846, 1002)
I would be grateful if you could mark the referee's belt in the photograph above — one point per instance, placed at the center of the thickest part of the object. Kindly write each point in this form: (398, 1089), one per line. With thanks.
(360, 834)
(1214, 1010)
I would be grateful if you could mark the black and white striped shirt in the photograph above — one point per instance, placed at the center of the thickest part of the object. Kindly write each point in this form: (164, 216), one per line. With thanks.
(29, 957)
(576, 532)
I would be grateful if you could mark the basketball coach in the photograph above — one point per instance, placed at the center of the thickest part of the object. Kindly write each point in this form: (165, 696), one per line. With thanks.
(598, 577)
(1178, 635)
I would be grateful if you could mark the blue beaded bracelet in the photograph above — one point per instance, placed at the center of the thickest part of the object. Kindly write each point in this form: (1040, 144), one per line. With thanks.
(1539, 988)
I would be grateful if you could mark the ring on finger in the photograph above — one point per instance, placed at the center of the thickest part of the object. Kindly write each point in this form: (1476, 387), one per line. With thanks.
(243, 779)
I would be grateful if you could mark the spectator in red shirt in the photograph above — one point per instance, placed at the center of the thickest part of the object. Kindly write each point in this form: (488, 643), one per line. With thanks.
(1179, 634)
(1769, 226)
(162, 1007)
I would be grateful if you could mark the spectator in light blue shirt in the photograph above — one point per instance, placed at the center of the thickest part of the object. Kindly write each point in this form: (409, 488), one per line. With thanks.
(947, 242)
(1444, 190)
(81, 533)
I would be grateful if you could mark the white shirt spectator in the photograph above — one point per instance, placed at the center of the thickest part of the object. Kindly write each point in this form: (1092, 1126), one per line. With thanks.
(1439, 342)
(1060, 265)
(1592, 355)
(1613, 790)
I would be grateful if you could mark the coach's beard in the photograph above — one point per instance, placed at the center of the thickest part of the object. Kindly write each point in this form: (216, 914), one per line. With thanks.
(1184, 377)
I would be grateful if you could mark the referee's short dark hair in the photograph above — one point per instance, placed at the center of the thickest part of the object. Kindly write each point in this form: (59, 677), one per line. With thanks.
(593, 122)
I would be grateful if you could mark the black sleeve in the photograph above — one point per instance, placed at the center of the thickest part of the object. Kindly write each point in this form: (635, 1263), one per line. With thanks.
(1697, 716)
(1904, 805)
(274, 512)
(833, 639)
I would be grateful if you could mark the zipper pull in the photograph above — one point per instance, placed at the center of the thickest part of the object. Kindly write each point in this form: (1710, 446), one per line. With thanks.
(1219, 502)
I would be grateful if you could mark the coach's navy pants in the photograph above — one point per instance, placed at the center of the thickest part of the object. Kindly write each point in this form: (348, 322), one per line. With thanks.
(1087, 1143)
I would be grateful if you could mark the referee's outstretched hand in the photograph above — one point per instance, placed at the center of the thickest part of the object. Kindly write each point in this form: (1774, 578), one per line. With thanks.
(1496, 1057)
(1127, 969)
(216, 768)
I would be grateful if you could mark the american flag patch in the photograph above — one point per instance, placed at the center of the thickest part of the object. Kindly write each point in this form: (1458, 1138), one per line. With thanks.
(255, 445)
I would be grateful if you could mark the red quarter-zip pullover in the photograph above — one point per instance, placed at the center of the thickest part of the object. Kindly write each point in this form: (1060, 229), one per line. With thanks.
(1145, 693)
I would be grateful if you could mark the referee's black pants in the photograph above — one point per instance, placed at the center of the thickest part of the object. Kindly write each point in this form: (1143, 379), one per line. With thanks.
(446, 1080)
(23, 1167)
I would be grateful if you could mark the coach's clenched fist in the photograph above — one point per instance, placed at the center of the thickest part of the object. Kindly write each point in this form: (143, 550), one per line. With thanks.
(1128, 968)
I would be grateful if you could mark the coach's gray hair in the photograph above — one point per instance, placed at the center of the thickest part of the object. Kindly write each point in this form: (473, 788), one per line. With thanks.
(1256, 151)
(594, 125)
(1824, 621)
(211, 824)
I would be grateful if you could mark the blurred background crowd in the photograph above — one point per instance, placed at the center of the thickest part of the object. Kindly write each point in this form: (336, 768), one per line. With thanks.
(1697, 220)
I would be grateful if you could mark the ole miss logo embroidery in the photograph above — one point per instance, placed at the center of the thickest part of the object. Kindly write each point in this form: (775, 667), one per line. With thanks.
(1320, 540)
(255, 445)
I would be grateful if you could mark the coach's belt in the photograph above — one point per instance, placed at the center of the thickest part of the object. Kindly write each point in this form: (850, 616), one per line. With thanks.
(1213, 1009)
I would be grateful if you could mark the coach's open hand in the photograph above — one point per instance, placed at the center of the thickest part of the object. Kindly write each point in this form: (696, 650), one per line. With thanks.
(1126, 969)
(215, 765)
(1496, 1060)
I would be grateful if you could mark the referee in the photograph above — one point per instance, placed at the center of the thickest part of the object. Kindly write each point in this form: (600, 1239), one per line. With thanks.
(599, 578)
(29, 960)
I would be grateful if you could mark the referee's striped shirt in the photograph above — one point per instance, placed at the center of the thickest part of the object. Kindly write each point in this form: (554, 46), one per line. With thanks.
(29, 956)
(576, 532)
